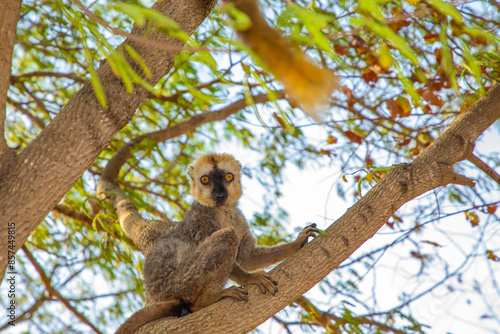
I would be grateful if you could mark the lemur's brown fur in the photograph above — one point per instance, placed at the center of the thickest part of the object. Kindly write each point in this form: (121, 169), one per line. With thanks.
(190, 263)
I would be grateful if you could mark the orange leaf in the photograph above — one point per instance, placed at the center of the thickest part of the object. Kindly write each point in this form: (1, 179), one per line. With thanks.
(396, 218)
(438, 54)
(325, 152)
(348, 94)
(369, 177)
(431, 38)
(429, 96)
(371, 59)
(369, 76)
(400, 107)
(369, 160)
(398, 24)
(359, 44)
(331, 140)
(353, 137)
(414, 151)
(340, 50)
(472, 217)
(393, 107)
(491, 256)
(280, 120)
(435, 244)
(416, 255)
(491, 209)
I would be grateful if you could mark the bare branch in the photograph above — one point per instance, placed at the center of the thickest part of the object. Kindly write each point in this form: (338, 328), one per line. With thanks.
(75, 215)
(53, 292)
(484, 167)
(27, 314)
(87, 221)
(16, 78)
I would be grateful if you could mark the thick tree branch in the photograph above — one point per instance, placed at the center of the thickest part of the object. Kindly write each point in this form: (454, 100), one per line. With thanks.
(50, 165)
(296, 275)
(9, 14)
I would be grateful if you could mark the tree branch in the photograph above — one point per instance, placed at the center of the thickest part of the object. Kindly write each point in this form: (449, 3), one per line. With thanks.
(27, 314)
(16, 78)
(53, 292)
(484, 167)
(299, 273)
(9, 14)
(87, 221)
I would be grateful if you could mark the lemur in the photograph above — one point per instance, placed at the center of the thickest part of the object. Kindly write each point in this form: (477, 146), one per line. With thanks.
(191, 263)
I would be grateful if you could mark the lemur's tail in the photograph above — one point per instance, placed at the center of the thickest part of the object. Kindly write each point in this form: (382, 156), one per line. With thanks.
(171, 307)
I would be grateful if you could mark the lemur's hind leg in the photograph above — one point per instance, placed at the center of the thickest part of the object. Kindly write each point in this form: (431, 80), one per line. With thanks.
(212, 262)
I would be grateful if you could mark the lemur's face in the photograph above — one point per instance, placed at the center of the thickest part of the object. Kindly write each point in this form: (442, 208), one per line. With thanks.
(215, 180)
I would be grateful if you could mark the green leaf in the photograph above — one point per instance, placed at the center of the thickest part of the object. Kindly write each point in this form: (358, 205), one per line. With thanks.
(387, 33)
(137, 57)
(94, 80)
(140, 14)
(447, 58)
(313, 22)
(208, 99)
(446, 9)
(239, 20)
(372, 7)
(131, 10)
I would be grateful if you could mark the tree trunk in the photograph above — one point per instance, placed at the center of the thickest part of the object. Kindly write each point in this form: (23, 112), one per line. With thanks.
(39, 177)
(296, 275)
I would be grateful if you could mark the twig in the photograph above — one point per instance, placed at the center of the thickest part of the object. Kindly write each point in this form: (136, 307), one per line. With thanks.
(484, 167)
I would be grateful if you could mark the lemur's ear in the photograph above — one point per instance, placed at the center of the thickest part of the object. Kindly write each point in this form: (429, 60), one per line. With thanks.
(190, 172)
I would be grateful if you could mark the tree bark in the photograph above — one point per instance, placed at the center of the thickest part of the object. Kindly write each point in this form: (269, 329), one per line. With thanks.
(9, 14)
(39, 177)
(296, 275)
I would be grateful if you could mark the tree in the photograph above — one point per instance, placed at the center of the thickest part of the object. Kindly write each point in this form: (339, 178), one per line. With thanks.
(407, 69)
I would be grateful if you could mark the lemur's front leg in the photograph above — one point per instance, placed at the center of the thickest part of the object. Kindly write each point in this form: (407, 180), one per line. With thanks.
(253, 258)
(261, 279)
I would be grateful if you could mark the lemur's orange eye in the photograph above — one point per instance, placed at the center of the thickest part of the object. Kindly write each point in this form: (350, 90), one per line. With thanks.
(204, 179)
(229, 177)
